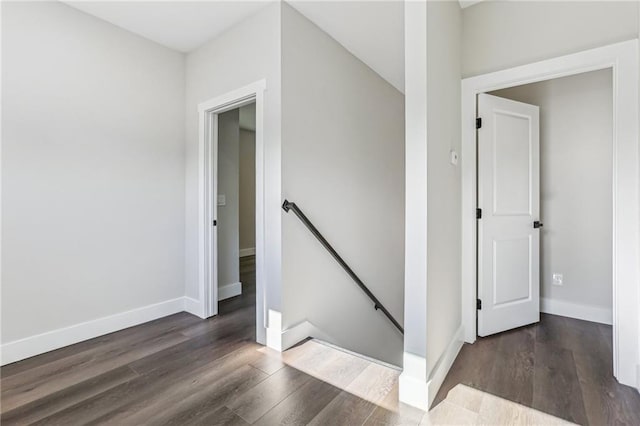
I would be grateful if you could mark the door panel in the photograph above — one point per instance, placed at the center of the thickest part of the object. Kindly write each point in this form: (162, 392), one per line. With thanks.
(509, 196)
(511, 275)
(511, 168)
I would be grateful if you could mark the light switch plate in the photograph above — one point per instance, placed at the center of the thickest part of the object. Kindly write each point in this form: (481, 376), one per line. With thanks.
(222, 200)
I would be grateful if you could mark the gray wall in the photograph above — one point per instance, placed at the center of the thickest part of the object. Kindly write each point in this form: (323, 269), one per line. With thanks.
(575, 184)
(443, 178)
(503, 34)
(92, 169)
(229, 186)
(247, 189)
(343, 163)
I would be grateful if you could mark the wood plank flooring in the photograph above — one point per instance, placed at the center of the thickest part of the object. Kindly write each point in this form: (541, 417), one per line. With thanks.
(559, 366)
(468, 406)
(181, 370)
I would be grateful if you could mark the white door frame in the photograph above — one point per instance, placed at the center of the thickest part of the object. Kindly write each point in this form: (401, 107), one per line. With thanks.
(207, 235)
(622, 58)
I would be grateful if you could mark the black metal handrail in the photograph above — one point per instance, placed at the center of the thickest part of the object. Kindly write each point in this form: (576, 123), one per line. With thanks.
(286, 206)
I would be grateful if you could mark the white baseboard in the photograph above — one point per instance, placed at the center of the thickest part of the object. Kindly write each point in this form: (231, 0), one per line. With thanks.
(55, 339)
(229, 290)
(577, 311)
(194, 307)
(412, 382)
(354, 353)
(274, 330)
(282, 340)
(443, 365)
(297, 333)
(247, 252)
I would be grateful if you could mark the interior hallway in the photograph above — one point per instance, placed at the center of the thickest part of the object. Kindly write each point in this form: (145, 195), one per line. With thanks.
(561, 366)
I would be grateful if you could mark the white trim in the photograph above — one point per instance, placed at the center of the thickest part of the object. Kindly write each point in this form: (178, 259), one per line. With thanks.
(413, 380)
(247, 252)
(297, 333)
(274, 331)
(419, 392)
(359, 355)
(622, 58)
(194, 307)
(442, 367)
(577, 311)
(230, 290)
(55, 339)
(207, 259)
(413, 386)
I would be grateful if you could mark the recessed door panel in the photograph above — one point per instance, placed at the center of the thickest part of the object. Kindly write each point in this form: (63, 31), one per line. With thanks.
(511, 271)
(512, 164)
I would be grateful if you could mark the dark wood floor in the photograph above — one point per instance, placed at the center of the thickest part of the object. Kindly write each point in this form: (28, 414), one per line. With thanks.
(181, 370)
(560, 366)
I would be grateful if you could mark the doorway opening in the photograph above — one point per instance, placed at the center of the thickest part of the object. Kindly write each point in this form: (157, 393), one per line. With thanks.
(546, 384)
(235, 208)
(544, 175)
(551, 187)
(231, 125)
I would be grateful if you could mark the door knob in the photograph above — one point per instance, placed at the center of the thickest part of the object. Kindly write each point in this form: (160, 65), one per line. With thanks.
(538, 224)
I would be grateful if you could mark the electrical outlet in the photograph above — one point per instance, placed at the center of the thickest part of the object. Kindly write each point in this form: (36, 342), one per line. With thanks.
(557, 279)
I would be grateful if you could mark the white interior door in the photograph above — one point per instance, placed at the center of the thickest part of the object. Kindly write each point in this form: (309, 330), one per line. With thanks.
(509, 199)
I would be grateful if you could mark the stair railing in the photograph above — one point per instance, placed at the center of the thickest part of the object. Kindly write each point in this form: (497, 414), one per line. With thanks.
(286, 206)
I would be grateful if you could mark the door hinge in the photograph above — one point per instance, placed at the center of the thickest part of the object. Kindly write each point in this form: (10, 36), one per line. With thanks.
(214, 223)
(478, 304)
(478, 123)
(478, 213)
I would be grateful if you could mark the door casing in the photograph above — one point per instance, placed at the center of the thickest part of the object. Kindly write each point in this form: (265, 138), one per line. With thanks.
(207, 178)
(622, 59)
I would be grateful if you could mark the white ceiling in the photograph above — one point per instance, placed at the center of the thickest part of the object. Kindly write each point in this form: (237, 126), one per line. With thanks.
(373, 31)
(179, 25)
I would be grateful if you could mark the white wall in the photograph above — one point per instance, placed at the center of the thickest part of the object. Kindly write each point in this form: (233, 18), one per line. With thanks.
(229, 186)
(576, 172)
(503, 34)
(432, 266)
(248, 52)
(443, 178)
(413, 380)
(343, 164)
(92, 170)
(247, 189)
